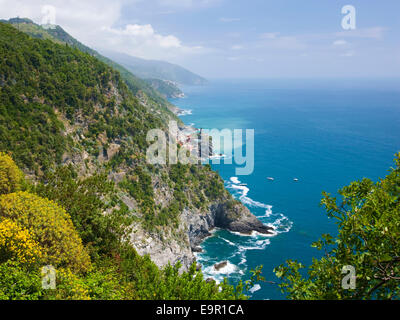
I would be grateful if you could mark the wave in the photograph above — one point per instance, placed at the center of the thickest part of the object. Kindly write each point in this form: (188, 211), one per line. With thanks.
(258, 245)
(227, 241)
(184, 112)
(233, 246)
(218, 156)
(219, 275)
(280, 222)
(235, 180)
(243, 196)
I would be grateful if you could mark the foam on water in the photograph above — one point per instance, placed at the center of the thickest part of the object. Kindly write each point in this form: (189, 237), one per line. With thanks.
(278, 221)
(235, 180)
(184, 112)
(219, 275)
(241, 243)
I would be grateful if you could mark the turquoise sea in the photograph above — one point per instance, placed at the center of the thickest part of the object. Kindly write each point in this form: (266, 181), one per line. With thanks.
(326, 133)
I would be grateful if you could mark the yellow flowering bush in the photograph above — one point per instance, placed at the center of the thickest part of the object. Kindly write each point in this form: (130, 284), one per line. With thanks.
(16, 243)
(50, 226)
(11, 177)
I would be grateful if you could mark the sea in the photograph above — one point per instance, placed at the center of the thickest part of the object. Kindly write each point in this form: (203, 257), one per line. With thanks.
(325, 133)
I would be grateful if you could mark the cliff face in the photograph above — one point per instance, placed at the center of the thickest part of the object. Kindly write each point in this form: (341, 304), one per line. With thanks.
(194, 227)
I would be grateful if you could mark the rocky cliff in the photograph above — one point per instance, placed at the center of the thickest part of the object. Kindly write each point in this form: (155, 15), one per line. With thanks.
(194, 227)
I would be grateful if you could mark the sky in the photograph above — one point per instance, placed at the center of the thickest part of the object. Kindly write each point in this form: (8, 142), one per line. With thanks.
(235, 38)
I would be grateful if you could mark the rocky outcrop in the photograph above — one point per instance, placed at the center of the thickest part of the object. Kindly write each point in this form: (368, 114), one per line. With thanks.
(236, 217)
(194, 227)
(161, 250)
(233, 217)
(219, 266)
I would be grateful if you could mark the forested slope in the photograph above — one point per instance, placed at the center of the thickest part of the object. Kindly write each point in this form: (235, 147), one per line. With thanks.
(78, 133)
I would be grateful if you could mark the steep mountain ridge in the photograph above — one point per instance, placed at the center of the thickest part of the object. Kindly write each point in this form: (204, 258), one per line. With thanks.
(142, 89)
(60, 106)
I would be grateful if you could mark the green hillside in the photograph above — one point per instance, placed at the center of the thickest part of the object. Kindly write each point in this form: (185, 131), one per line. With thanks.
(142, 89)
(74, 127)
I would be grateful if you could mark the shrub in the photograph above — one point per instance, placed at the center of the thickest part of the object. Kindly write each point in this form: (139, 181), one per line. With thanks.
(51, 227)
(69, 287)
(18, 283)
(16, 243)
(11, 177)
(86, 200)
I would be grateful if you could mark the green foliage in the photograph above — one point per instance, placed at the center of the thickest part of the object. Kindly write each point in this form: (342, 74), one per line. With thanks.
(41, 80)
(11, 177)
(256, 276)
(140, 187)
(368, 219)
(17, 282)
(151, 283)
(139, 87)
(86, 200)
(50, 226)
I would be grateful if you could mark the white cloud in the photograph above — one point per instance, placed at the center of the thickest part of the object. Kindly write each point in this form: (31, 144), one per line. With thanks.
(93, 23)
(143, 41)
(71, 14)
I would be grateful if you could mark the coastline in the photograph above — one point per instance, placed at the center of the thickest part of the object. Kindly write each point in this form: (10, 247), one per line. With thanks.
(204, 225)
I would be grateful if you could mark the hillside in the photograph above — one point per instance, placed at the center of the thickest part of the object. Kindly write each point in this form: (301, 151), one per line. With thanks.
(144, 69)
(148, 69)
(78, 132)
(142, 89)
(167, 88)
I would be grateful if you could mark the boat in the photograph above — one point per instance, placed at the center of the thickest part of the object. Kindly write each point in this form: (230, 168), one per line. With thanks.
(295, 179)
(270, 178)
(243, 184)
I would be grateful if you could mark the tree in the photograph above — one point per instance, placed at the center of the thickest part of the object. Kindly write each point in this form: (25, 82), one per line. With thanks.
(86, 200)
(368, 239)
(11, 177)
(50, 226)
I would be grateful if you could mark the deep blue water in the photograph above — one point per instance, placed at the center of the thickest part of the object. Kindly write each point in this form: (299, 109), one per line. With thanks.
(326, 133)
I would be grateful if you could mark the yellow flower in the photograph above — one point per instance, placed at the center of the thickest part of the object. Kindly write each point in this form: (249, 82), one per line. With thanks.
(16, 243)
(50, 226)
(11, 177)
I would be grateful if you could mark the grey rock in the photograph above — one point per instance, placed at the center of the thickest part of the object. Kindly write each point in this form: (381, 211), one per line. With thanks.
(219, 266)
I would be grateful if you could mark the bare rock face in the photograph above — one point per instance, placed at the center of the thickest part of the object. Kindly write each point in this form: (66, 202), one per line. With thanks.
(225, 215)
(163, 251)
(236, 217)
(194, 227)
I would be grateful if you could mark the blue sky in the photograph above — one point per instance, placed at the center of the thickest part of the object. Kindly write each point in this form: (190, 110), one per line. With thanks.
(237, 38)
